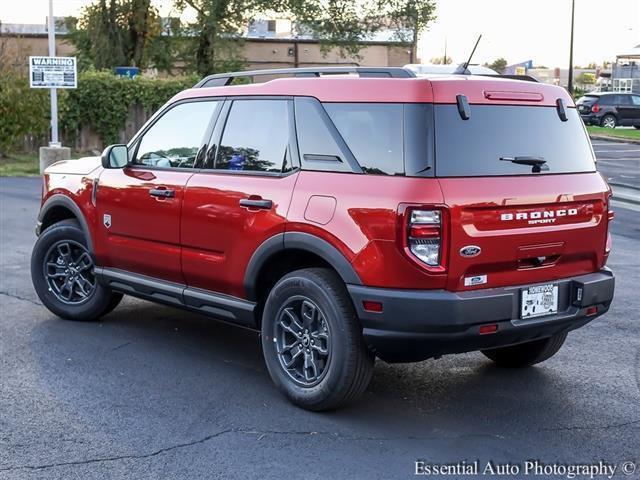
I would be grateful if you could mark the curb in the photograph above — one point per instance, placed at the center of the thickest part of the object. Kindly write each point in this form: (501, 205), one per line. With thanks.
(614, 139)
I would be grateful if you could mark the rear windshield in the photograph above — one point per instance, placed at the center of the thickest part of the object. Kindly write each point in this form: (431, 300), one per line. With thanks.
(493, 136)
(588, 99)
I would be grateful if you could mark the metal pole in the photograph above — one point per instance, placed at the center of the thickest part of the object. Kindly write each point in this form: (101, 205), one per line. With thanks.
(54, 93)
(570, 86)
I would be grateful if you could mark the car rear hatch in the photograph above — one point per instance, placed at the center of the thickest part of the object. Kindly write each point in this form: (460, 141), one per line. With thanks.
(524, 200)
(585, 104)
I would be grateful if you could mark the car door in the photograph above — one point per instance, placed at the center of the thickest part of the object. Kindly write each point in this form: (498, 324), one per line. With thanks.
(138, 206)
(625, 110)
(635, 100)
(241, 199)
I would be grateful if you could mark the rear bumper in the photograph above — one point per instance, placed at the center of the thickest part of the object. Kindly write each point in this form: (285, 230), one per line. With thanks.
(419, 324)
(590, 119)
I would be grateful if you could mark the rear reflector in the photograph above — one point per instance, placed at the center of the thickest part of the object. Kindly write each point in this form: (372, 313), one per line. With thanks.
(486, 329)
(371, 306)
(592, 311)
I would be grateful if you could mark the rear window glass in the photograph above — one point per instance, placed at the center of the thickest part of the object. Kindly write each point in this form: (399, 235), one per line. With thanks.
(474, 147)
(587, 99)
(373, 132)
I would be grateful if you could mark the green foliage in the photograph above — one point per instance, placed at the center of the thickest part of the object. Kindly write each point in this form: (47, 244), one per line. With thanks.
(103, 101)
(498, 65)
(23, 110)
(408, 18)
(117, 33)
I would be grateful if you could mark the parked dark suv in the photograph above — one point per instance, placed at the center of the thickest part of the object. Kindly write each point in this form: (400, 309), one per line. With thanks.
(610, 110)
(345, 218)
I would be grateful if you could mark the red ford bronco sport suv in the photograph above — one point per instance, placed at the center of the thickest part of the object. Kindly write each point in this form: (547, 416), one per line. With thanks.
(362, 214)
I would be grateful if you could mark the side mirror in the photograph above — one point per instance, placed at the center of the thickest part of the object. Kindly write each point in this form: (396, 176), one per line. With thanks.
(115, 156)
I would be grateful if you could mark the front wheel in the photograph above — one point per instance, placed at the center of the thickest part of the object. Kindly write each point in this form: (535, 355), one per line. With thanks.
(312, 341)
(63, 277)
(526, 354)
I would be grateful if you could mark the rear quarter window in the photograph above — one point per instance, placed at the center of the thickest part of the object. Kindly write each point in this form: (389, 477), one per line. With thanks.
(475, 146)
(374, 134)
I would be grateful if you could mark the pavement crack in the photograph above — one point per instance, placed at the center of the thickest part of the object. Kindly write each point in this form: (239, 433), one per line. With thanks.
(259, 433)
(118, 457)
(590, 427)
(18, 297)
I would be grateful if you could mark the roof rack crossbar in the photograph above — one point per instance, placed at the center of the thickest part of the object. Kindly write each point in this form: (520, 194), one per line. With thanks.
(224, 79)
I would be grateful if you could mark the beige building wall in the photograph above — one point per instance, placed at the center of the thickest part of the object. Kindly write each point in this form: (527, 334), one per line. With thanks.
(259, 53)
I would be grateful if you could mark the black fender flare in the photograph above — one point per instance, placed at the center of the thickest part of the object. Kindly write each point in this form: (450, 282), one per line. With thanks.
(60, 200)
(296, 241)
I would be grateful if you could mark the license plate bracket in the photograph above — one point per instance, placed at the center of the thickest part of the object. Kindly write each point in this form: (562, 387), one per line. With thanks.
(538, 301)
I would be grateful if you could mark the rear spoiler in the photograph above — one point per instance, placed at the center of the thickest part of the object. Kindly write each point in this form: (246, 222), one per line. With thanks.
(524, 78)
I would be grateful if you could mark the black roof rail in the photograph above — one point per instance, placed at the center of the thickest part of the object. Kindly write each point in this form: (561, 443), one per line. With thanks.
(224, 79)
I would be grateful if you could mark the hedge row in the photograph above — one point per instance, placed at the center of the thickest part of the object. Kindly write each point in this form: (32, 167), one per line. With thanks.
(101, 102)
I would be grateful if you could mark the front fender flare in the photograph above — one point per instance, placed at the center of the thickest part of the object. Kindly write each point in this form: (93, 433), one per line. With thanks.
(60, 200)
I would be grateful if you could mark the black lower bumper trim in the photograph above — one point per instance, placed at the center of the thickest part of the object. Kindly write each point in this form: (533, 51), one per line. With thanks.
(416, 325)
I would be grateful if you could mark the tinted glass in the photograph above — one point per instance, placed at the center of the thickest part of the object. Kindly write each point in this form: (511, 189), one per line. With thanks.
(174, 140)
(587, 100)
(608, 99)
(635, 99)
(474, 147)
(623, 100)
(255, 136)
(319, 149)
(373, 133)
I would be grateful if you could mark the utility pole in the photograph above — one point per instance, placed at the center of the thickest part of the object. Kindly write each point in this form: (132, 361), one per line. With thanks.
(570, 86)
(54, 93)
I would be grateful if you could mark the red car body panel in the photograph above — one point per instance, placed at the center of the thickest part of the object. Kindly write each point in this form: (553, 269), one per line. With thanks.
(202, 238)
(219, 236)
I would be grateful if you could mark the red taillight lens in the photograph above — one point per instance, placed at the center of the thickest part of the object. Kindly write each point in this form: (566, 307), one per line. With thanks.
(425, 236)
(595, 108)
(371, 306)
(487, 329)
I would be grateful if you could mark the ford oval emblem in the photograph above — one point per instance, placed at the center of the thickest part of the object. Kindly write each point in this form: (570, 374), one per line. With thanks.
(470, 251)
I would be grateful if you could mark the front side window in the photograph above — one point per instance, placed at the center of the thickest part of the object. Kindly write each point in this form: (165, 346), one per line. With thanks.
(174, 139)
(255, 138)
(636, 100)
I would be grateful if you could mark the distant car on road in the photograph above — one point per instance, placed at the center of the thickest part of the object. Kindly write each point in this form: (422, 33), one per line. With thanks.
(610, 110)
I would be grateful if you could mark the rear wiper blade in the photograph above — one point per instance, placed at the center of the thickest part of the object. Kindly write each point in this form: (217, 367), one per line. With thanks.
(533, 161)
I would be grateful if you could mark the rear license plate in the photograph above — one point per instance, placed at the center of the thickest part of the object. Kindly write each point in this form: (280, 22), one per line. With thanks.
(538, 301)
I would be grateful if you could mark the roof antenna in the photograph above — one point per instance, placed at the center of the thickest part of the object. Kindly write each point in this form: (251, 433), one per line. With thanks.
(462, 68)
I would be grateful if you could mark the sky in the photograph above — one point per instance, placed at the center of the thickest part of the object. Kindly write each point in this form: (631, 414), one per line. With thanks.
(517, 30)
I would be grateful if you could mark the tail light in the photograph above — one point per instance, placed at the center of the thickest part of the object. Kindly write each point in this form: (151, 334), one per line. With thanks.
(610, 216)
(595, 108)
(424, 236)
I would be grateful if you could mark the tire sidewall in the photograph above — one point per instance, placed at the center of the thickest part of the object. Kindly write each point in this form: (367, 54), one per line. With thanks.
(290, 286)
(85, 311)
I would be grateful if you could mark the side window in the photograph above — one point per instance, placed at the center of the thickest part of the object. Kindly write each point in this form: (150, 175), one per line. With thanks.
(175, 138)
(607, 99)
(636, 100)
(255, 137)
(373, 132)
(624, 100)
(319, 148)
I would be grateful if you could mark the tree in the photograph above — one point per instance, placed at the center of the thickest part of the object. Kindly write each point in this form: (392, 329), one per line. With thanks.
(498, 65)
(441, 60)
(117, 33)
(408, 18)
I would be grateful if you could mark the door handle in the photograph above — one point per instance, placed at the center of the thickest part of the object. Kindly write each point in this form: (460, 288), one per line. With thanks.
(162, 193)
(256, 203)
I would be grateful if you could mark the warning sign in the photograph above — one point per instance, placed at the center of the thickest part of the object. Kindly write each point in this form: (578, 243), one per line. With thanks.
(53, 72)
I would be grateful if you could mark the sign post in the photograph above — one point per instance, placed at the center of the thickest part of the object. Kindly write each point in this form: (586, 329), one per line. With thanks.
(53, 72)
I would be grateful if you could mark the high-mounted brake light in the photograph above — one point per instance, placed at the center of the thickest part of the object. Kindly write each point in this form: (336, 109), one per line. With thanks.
(425, 236)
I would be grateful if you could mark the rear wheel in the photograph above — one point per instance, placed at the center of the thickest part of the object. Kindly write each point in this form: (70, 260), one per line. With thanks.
(312, 341)
(608, 121)
(62, 272)
(526, 354)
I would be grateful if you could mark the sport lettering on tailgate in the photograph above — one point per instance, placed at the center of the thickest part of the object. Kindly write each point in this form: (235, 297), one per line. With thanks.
(543, 215)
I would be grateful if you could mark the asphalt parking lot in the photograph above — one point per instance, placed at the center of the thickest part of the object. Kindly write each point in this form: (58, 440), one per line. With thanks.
(153, 392)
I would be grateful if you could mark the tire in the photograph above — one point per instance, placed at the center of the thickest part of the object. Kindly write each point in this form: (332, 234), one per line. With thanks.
(88, 300)
(526, 354)
(319, 302)
(608, 121)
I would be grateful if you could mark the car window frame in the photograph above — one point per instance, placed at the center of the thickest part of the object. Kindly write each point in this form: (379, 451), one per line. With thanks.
(134, 143)
(215, 137)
